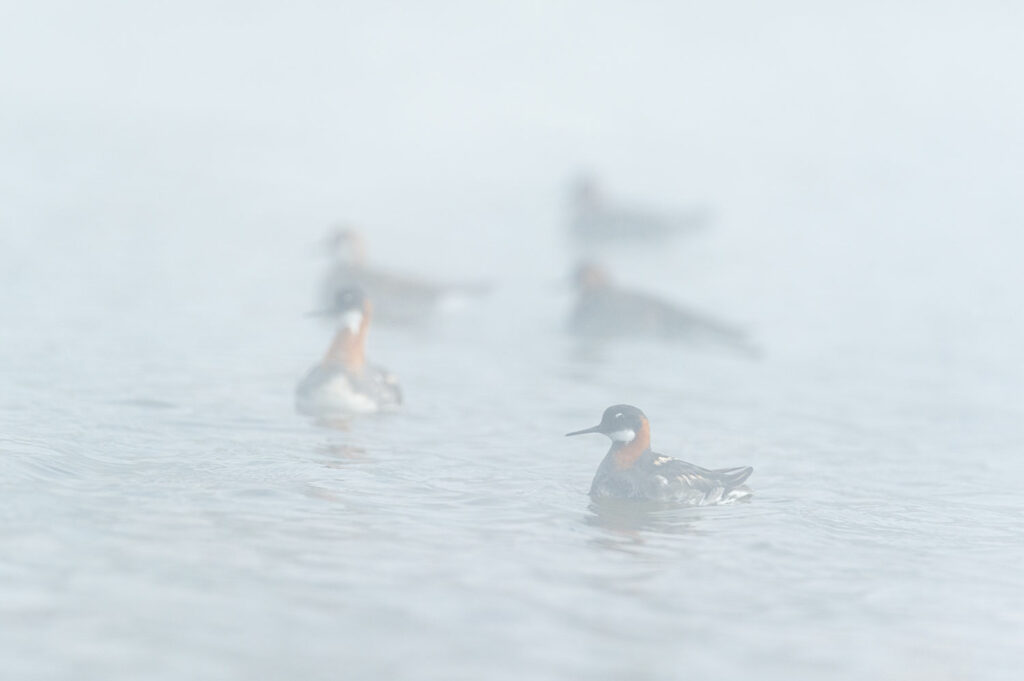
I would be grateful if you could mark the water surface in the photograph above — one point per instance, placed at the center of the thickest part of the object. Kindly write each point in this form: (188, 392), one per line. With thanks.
(166, 514)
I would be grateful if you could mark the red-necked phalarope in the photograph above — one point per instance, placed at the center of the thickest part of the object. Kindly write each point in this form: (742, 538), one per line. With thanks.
(398, 299)
(343, 383)
(593, 217)
(631, 470)
(604, 310)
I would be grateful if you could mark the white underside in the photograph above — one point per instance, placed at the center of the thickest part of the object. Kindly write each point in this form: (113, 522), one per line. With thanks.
(333, 398)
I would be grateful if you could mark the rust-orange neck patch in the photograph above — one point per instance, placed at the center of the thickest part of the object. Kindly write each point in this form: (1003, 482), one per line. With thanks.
(627, 455)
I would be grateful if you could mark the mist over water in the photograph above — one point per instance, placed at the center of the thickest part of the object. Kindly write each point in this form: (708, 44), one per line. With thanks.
(167, 176)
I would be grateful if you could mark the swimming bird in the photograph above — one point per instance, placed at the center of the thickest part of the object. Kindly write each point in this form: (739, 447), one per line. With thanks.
(631, 470)
(343, 383)
(604, 310)
(398, 299)
(594, 217)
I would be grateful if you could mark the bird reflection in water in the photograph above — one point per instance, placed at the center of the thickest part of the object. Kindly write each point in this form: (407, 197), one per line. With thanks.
(627, 521)
(340, 455)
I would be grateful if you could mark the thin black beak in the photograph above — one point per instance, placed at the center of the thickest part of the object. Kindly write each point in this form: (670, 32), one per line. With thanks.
(595, 429)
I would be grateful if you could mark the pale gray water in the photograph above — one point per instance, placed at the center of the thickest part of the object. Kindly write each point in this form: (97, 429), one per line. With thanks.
(165, 178)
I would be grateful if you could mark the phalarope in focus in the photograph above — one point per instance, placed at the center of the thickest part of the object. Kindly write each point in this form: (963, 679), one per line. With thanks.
(631, 470)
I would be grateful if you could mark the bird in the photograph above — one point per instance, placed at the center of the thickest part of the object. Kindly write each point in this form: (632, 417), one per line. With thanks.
(604, 310)
(399, 299)
(594, 218)
(343, 383)
(631, 470)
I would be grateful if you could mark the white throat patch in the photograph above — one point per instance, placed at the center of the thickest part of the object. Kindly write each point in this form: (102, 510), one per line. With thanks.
(352, 320)
(623, 435)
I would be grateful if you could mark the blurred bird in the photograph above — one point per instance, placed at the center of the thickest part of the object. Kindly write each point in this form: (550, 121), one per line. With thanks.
(604, 310)
(593, 217)
(343, 383)
(398, 299)
(631, 470)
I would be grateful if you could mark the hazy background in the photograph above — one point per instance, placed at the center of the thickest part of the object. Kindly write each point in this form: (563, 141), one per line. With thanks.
(167, 170)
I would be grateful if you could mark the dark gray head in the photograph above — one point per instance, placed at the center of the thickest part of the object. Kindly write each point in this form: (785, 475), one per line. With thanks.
(348, 300)
(346, 245)
(590, 276)
(620, 422)
(585, 191)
